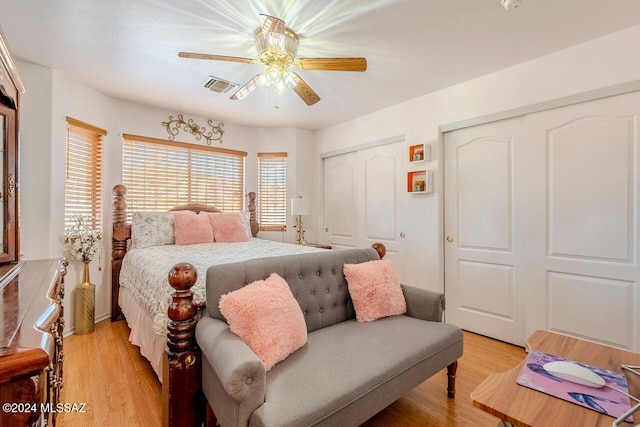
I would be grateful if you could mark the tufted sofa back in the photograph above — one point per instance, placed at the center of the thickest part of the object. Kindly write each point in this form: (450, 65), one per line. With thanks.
(316, 281)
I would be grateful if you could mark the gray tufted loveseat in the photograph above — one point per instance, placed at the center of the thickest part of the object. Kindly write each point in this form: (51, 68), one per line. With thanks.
(346, 372)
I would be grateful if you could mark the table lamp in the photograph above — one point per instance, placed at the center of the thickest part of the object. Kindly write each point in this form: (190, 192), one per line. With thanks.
(300, 207)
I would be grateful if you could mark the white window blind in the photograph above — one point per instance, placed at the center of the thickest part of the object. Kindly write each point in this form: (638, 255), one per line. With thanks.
(272, 191)
(160, 175)
(83, 183)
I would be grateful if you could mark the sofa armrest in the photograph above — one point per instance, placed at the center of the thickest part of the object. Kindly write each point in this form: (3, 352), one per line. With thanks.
(237, 367)
(423, 304)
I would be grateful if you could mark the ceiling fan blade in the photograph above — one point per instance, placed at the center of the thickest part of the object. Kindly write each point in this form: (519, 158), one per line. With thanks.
(216, 57)
(333, 64)
(271, 24)
(305, 92)
(247, 88)
(273, 30)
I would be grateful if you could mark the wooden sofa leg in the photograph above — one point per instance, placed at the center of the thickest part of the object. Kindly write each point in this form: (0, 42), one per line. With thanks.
(451, 374)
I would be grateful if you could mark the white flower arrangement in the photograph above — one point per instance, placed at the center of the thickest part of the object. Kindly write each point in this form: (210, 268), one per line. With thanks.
(82, 241)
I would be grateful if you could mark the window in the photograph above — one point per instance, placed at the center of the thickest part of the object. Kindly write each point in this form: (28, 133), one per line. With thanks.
(272, 191)
(160, 175)
(83, 183)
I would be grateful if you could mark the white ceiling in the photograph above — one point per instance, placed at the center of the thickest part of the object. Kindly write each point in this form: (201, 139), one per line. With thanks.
(127, 49)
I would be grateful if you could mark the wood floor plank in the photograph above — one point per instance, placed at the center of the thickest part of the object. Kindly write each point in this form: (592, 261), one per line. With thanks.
(119, 387)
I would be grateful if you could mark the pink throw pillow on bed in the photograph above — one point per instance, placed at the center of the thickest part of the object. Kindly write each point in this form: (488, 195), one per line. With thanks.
(191, 228)
(375, 290)
(266, 316)
(228, 227)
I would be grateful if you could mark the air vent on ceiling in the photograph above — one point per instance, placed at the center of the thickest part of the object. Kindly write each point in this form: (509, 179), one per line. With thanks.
(219, 85)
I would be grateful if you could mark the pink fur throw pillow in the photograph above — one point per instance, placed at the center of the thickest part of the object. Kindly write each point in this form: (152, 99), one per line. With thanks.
(375, 290)
(228, 227)
(191, 228)
(266, 316)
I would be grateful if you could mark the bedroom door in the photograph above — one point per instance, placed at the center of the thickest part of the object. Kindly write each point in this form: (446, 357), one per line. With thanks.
(365, 200)
(485, 228)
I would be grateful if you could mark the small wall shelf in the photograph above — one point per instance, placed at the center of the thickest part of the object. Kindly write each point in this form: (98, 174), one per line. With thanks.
(419, 153)
(419, 182)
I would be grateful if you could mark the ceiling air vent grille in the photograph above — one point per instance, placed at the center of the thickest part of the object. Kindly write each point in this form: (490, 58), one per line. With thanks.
(219, 85)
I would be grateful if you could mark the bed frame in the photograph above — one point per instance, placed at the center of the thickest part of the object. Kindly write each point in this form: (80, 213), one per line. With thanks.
(183, 401)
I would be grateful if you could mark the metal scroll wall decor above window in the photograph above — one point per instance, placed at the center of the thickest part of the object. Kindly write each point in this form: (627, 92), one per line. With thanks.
(174, 126)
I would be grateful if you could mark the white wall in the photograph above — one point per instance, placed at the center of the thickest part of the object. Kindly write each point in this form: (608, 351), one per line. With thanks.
(51, 97)
(603, 62)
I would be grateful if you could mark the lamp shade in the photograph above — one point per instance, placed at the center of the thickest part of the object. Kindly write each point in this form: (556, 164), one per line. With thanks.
(300, 206)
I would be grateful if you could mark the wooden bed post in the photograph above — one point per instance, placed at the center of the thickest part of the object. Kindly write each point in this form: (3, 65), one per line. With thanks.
(251, 207)
(121, 234)
(182, 386)
(382, 251)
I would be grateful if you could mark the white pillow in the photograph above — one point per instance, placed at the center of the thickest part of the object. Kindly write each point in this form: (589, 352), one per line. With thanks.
(246, 216)
(152, 229)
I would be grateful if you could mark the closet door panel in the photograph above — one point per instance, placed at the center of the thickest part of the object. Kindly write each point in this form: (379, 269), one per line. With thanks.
(484, 200)
(341, 212)
(582, 213)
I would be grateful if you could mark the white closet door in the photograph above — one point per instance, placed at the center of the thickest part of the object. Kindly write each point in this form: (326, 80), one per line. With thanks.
(582, 240)
(381, 180)
(340, 203)
(365, 200)
(484, 229)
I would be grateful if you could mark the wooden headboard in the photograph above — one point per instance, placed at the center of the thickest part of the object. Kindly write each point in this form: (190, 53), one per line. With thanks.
(121, 237)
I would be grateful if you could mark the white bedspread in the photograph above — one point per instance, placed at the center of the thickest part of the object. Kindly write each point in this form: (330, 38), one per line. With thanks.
(144, 271)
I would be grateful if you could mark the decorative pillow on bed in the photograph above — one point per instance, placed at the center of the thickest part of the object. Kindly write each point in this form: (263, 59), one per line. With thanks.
(375, 290)
(152, 229)
(228, 227)
(192, 228)
(266, 316)
(246, 217)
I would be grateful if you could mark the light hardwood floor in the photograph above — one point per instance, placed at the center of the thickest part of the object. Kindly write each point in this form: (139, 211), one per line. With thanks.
(105, 371)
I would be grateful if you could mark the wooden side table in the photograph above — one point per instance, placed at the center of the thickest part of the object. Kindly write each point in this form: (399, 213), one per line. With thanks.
(521, 406)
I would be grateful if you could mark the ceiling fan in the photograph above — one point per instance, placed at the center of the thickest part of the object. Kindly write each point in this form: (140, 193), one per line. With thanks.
(277, 47)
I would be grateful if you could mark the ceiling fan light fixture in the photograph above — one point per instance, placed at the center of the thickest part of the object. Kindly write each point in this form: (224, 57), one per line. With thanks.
(276, 41)
(277, 48)
(286, 45)
(277, 78)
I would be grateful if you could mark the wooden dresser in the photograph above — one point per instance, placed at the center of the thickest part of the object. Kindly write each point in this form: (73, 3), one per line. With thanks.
(31, 355)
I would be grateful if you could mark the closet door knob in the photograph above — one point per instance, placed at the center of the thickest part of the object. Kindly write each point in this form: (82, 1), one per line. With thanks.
(403, 235)
(449, 239)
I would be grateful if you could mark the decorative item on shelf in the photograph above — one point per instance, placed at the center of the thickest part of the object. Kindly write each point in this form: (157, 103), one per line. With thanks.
(419, 181)
(173, 127)
(300, 207)
(419, 153)
(83, 243)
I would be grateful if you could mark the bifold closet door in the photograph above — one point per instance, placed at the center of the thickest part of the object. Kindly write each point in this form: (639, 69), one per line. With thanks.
(485, 229)
(365, 200)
